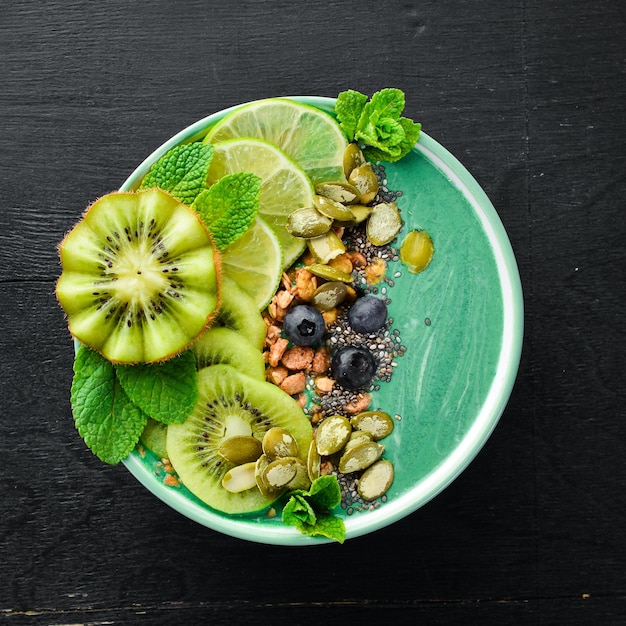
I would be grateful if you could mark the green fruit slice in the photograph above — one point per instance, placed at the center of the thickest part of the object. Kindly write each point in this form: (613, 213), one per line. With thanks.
(285, 187)
(228, 347)
(154, 437)
(311, 137)
(230, 404)
(255, 262)
(239, 312)
(139, 279)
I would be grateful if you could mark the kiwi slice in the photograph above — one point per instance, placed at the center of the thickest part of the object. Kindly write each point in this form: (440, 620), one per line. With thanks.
(224, 345)
(140, 277)
(154, 437)
(239, 311)
(230, 404)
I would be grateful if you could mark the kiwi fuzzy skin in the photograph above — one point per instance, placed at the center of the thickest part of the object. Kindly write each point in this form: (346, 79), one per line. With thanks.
(217, 268)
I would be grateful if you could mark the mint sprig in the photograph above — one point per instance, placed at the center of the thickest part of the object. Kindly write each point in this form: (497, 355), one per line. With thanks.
(182, 171)
(111, 403)
(377, 125)
(229, 206)
(311, 511)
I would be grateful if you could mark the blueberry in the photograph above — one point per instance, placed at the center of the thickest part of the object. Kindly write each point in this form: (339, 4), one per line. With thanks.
(368, 314)
(304, 325)
(353, 367)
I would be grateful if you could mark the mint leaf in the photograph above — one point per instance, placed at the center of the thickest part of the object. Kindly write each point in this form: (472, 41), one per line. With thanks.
(412, 132)
(332, 527)
(229, 207)
(182, 171)
(166, 391)
(411, 135)
(348, 108)
(384, 104)
(379, 126)
(325, 493)
(298, 512)
(310, 511)
(106, 419)
(385, 138)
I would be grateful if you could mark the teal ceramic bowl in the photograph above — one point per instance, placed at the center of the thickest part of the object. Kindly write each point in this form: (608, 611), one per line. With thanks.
(461, 321)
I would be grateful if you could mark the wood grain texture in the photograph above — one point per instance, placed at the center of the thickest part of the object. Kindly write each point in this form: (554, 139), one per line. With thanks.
(530, 97)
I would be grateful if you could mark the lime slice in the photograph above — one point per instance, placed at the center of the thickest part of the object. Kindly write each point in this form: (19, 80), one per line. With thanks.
(308, 135)
(284, 188)
(254, 261)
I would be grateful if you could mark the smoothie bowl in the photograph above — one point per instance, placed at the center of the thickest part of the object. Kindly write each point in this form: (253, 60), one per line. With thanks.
(356, 330)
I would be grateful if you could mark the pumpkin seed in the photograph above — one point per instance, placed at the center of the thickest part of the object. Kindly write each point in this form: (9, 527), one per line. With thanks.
(353, 157)
(307, 222)
(332, 434)
(356, 437)
(240, 478)
(280, 472)
(313, 462)
(301, 480)
(360, 213)
(240, 449)
(360, 456)
(376, 480)
(328, 272)
(338, 191)
(375, 423)
(332, 209)
(264, 488)
(325, 247)
(329, 295)
(383, 224)
(277, 443)
(417, 250)
(365, 181)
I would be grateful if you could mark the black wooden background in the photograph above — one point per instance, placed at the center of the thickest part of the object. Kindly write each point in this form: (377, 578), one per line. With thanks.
(530, 96)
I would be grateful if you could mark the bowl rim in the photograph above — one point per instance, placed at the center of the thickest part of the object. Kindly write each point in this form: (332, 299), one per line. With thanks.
(483, 425)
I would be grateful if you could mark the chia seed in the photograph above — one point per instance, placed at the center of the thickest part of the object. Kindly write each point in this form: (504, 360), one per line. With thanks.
(384, 193)
(351, 501)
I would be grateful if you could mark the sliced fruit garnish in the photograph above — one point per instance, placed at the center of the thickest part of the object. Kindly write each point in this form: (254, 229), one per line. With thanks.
(230, 405)
(154, 437)
(239, 312)
(139, 279)
(228, 347)
(255, 262)
(308, 135)
(285, 187)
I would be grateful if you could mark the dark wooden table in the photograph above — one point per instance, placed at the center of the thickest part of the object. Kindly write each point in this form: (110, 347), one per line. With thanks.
(530, 96)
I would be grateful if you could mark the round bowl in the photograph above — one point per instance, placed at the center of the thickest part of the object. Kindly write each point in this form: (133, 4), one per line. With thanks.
(461, 321)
